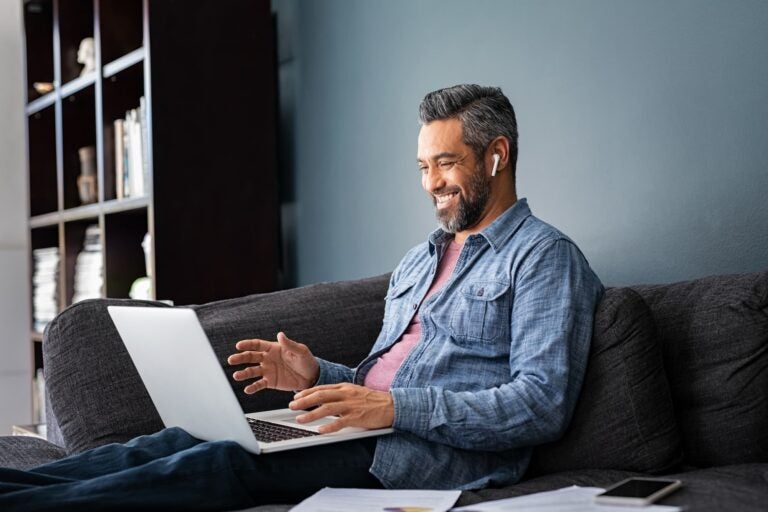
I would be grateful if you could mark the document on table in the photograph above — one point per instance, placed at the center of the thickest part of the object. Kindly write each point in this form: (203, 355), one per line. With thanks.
(567, 499)
(377, 500)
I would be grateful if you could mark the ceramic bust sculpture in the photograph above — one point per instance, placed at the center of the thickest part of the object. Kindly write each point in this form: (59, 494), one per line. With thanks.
(86, 56)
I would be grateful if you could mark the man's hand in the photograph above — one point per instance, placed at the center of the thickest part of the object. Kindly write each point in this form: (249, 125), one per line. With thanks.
(285, 364)
(356, 406)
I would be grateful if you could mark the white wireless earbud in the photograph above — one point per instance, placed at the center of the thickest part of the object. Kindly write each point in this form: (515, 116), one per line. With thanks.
(496, 158)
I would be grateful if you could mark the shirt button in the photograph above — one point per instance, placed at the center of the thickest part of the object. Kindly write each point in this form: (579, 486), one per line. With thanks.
(480, 292)
(415, 306)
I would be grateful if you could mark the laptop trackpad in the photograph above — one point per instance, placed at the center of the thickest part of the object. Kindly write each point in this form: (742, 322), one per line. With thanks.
(288, 417)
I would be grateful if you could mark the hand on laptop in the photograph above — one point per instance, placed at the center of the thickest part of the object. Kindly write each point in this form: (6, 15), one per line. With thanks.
(285, 364)
(356, 406)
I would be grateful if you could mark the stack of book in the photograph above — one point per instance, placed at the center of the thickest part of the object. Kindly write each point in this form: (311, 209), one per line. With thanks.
(89, 267)
(131, 168)
(45, 284)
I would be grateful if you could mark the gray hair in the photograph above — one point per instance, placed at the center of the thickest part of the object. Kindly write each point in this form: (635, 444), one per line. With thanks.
(484, 113)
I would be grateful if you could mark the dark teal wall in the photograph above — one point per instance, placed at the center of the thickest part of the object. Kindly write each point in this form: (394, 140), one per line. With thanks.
(643, 126)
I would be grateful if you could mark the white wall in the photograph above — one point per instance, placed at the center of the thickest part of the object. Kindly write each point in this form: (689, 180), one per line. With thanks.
(15, 350)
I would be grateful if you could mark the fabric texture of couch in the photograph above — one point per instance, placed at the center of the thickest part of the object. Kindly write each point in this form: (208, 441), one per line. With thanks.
(675, 385)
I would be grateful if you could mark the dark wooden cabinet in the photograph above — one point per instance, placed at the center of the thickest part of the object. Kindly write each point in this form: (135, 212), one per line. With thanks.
(207, 73)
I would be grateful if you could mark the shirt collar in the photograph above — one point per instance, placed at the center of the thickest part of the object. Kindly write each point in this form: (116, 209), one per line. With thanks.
(495, 234)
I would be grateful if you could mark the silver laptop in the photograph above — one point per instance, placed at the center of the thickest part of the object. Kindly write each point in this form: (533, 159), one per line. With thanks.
(190, 390)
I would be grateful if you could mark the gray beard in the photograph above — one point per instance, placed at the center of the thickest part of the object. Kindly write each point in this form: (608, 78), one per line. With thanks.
(470, 208)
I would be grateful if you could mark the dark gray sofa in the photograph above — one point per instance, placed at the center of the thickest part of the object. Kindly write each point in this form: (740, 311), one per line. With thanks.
(676, 383)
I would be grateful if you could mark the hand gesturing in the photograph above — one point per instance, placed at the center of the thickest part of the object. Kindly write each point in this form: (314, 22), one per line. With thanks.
(285, 364)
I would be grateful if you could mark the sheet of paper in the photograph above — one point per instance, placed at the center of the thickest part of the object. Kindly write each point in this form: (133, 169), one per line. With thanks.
(377, 500)
(567, 499)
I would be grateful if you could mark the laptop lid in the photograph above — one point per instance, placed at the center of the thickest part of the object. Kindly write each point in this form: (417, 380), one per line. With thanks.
(182, 373)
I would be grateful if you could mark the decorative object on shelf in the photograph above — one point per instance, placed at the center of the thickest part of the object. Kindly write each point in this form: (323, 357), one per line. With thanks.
(86, 182)
(89, 267)
(86, 55)
(142, 287)
(131, 168)
(45, 283)
(43, 87)
(146, 245)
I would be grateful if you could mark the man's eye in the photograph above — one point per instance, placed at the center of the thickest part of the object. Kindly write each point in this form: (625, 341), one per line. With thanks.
(446, 165)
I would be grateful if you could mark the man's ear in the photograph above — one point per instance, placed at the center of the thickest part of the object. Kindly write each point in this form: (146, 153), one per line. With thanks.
(498, 146)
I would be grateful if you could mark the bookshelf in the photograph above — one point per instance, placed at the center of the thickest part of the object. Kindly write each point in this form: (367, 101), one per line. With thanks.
(207, 73)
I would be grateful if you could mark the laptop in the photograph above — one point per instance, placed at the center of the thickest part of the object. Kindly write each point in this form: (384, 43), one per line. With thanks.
(190, 390)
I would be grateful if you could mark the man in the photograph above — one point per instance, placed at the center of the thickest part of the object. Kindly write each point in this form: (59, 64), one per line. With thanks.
(481, 355)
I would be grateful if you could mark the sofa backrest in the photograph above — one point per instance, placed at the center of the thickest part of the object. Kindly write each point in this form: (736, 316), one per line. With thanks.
(338, 321)
(714, 337)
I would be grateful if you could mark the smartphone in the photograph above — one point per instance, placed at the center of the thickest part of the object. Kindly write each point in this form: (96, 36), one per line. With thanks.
(637, 491)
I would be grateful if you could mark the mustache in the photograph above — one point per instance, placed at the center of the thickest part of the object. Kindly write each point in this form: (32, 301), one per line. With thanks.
(445, 190)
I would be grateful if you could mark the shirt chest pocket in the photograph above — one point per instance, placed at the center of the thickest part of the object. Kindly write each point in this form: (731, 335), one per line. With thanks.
(481, 312)
(399, 304)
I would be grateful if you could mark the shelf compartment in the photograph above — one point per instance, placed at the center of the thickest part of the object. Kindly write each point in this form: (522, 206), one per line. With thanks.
(125, 261)
(74, 238)
(121, 93)
(41, 128)
(75, 24)
(79, 127)
(121, 28)
(43, 238)
(38, 31)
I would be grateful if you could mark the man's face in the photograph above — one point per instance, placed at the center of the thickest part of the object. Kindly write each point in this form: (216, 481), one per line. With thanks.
(457, 183)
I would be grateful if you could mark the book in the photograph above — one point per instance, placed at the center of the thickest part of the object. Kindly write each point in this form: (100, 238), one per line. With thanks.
(131, 159)
(144, 143)
(89, 266)
(45, 286)
(135, 157)
(119, 159)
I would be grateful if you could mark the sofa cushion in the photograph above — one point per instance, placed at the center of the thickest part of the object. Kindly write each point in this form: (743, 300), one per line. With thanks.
(742, 488)
(714, 334)
(624, 417)
(24, 452)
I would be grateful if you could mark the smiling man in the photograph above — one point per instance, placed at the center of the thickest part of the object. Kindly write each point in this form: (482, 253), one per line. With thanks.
(481, 356)
(486, 328)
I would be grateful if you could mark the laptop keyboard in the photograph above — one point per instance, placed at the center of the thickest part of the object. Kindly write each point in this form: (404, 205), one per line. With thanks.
(267, 432)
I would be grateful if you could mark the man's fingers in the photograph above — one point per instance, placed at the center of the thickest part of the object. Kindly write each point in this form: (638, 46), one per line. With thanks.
(288, 343)
(322, 387)
(249, 373)
(333, 426)
(255, 344)
(332, 409)
(256, 386)
(246, 358)
(318, 397)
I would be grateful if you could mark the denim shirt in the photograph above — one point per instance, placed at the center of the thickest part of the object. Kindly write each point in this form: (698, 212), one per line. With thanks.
(500, 361)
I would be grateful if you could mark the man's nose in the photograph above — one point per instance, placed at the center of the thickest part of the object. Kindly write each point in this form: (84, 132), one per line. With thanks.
(432, 180)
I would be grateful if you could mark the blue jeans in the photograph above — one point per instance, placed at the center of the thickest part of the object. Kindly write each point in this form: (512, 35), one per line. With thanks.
(172, 470)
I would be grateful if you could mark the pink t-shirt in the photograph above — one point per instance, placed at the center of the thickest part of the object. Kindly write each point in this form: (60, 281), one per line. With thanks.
(380, 375)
